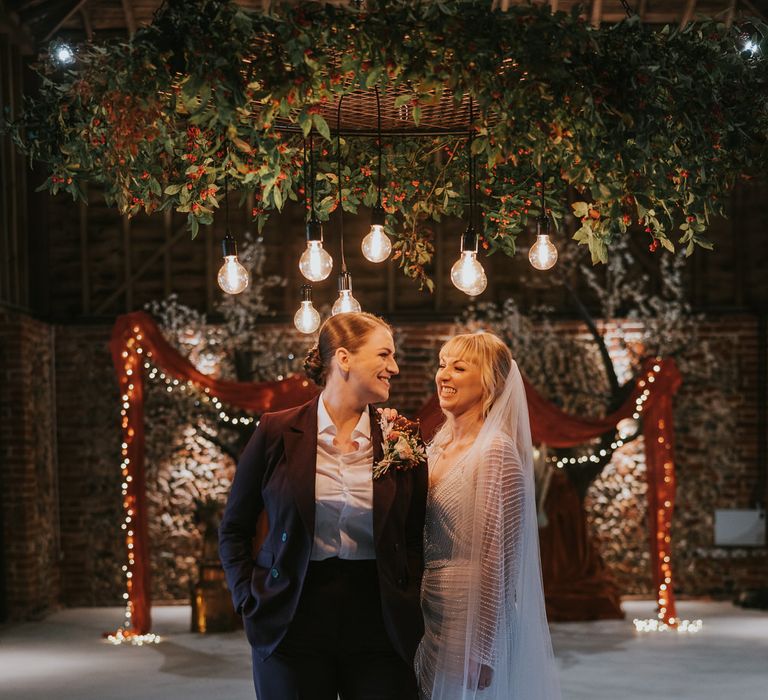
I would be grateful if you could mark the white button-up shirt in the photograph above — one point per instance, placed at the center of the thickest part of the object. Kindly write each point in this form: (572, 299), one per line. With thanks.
(343, 492)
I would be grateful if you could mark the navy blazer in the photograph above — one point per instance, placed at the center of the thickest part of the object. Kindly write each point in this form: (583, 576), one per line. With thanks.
(276, 473)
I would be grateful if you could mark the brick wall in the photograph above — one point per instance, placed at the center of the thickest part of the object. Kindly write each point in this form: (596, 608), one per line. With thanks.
(703, 486)
(88, 410)
(28, 478)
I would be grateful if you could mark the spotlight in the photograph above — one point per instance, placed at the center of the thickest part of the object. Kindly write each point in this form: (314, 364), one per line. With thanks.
(63, 54)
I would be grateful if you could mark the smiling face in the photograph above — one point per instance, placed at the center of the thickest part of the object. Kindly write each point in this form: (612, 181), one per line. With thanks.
(459, 384)
(370, 367)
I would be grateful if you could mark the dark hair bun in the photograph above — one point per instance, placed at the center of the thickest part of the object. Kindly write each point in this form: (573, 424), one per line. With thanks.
(313, 366)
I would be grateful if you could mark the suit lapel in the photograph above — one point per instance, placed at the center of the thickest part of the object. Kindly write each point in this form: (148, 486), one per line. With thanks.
(385, 487)
(300, 444)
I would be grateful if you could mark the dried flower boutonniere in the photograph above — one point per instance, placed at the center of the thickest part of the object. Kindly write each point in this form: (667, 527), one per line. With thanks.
(402, 445)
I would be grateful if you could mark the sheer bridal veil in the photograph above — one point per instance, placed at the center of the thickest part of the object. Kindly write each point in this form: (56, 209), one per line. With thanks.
(498, 619)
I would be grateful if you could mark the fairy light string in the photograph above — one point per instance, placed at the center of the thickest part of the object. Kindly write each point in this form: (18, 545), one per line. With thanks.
(133, 357)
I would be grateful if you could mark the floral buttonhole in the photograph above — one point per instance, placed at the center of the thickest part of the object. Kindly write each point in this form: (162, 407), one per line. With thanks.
(402, 445)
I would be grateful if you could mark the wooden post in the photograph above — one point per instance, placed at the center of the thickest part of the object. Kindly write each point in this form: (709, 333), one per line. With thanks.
(597, 13)
(127, 264)
(391, 285)
(168, 233)
(210, 270)
(130, 20)
(13, 187)
(87, 26)
(5, 180)
(439, 273)
(22, 196)
(85, 276)
(740, 246)
(690, 8)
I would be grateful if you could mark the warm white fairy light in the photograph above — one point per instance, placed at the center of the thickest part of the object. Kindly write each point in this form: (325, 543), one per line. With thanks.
(658, 625)
(135, 358)
(172, 384)
(137, 640)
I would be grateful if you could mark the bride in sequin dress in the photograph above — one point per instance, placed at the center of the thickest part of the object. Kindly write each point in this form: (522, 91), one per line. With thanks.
(486, 633)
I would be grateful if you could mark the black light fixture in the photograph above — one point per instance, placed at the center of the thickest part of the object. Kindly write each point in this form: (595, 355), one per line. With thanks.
(346, 303)
(315, 262)
(376, 245)
(467, 273)
(233, 278)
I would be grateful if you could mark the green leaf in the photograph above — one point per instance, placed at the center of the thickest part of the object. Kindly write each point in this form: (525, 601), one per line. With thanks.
(242, 145)
(305, 122)
(373, 77)
(580, 209)
(479, 145)
(172, 190)
(322, 126)
(668, 245)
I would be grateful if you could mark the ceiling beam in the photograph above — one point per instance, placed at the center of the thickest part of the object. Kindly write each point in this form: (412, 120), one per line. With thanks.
(69, 10)
(750, 7)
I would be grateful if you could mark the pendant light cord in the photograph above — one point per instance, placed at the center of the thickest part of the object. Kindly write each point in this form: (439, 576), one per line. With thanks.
(306, 182)
(378, 131)
(226, 198)
(311, 177)
(471, 165)
(338, 172)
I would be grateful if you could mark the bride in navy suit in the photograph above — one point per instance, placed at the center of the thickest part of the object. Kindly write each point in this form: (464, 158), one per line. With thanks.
(331, 601)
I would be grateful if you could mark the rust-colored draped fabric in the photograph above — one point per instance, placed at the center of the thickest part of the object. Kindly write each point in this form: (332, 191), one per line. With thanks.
(136, 339)
(576, 583)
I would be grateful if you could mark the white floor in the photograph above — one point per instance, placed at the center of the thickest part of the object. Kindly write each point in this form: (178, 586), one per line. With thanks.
(64, 658)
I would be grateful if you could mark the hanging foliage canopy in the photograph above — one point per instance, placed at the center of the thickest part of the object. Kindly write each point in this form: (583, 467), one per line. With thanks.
(625, 127)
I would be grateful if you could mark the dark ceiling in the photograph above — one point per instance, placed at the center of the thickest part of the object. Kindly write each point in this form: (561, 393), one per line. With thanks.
(40, 21)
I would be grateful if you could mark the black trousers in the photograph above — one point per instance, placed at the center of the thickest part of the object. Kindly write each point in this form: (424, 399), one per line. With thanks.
(336, 645)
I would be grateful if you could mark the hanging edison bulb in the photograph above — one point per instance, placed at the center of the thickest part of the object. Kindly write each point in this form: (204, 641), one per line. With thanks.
(346, 303)
(315, 262)
(543, 254)
(307, 318)
(233, 278)
(376, 245)
(467, 273)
